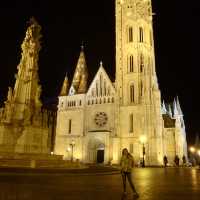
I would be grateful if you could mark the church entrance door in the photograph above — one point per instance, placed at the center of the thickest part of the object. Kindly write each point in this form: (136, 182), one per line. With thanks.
(100, 156)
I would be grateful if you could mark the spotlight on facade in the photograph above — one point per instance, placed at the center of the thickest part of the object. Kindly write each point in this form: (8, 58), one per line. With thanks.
(52, 153)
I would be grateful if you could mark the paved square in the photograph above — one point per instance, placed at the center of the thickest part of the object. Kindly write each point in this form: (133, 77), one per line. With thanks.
(151, 183)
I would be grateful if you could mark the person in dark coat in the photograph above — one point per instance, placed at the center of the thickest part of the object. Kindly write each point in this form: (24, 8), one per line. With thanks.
(165, 161)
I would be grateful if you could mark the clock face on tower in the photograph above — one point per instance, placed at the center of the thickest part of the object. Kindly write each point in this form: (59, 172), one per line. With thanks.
(101, 119)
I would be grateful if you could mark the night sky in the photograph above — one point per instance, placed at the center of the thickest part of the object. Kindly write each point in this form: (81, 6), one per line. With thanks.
(66, 24)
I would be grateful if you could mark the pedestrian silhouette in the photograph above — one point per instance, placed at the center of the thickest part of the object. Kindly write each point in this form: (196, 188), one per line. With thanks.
(176, 161)
(165, 160)
(126, 164)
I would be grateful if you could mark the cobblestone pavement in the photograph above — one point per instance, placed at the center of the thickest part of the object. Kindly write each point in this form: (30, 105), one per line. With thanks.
(151, 184)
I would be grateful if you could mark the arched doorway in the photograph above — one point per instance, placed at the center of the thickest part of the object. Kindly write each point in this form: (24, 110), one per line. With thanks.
(96, 151)
(100, 153)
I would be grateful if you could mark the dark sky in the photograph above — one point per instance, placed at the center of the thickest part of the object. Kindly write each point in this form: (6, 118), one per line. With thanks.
(65, 24)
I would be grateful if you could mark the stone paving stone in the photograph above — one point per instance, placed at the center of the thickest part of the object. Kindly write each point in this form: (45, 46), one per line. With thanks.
(151, 184)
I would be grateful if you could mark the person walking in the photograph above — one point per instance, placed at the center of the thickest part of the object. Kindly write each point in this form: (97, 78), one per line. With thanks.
(126, 164)
(184, 160)
(165, 161)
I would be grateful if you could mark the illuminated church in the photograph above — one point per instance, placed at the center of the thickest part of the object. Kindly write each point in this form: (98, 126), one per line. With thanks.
(100, 119)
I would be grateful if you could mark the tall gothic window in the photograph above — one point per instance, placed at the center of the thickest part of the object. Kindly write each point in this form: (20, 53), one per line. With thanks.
(131, 123)
(141, 34)
(141, 62)
(132, 94)
(130, 63)
(70, 126)
(130, 34)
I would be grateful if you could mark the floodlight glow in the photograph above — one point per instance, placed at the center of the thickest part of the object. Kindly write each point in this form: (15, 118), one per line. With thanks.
(192, 149)
(143, 139)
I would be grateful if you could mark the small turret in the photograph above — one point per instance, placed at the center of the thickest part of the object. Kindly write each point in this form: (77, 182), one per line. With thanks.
(178, 106)
(64, 90)
(163, 108)
(175, 110)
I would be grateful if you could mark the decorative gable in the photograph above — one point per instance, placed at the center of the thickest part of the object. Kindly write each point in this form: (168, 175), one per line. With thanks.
(101, 86)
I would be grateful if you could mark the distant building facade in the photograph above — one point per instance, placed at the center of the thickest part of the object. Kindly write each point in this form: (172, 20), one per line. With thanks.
(106, 117)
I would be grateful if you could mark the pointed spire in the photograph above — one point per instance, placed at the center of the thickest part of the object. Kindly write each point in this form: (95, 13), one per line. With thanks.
(65, 85)
(178, 106)
(80, 78)
(169, 110)
(175, 110)
(163, 108)
(101, 63)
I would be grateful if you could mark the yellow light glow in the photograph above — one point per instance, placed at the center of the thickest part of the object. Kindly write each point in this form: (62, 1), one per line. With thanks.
(198, 152)
(68, 149)
(52, 153)
(192, 149)
(143, 139)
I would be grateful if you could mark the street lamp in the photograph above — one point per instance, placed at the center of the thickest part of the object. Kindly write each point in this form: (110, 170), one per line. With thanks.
(143, 140)
(72, 144)
(192, 156)
(192, 149)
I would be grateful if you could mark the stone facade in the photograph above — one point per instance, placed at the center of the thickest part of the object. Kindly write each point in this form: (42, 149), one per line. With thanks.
(107, 117)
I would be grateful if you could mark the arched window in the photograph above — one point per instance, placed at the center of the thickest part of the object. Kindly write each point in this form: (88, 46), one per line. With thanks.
(131, 123)
(141, 34)
(141, 62)
(130, 63)
(132, 93)
(130, 34)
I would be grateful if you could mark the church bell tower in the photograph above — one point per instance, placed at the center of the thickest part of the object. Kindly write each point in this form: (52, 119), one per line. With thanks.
(136, 81)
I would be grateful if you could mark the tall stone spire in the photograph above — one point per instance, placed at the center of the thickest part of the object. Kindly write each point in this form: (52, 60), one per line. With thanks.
(178, 106)
(175, 109)
(65, 85)
(25, 97)
(80, 78)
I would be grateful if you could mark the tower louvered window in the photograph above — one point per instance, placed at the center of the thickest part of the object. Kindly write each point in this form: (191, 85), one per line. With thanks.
(132, 94)
(130, 34)
(141, 34)
(131, 63)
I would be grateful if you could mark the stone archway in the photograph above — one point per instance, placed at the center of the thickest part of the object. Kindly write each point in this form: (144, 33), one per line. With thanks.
(96, 151)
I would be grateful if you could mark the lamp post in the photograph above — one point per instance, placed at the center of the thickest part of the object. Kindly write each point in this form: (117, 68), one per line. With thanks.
(72, 144)
(192, 156)
(143, 140)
